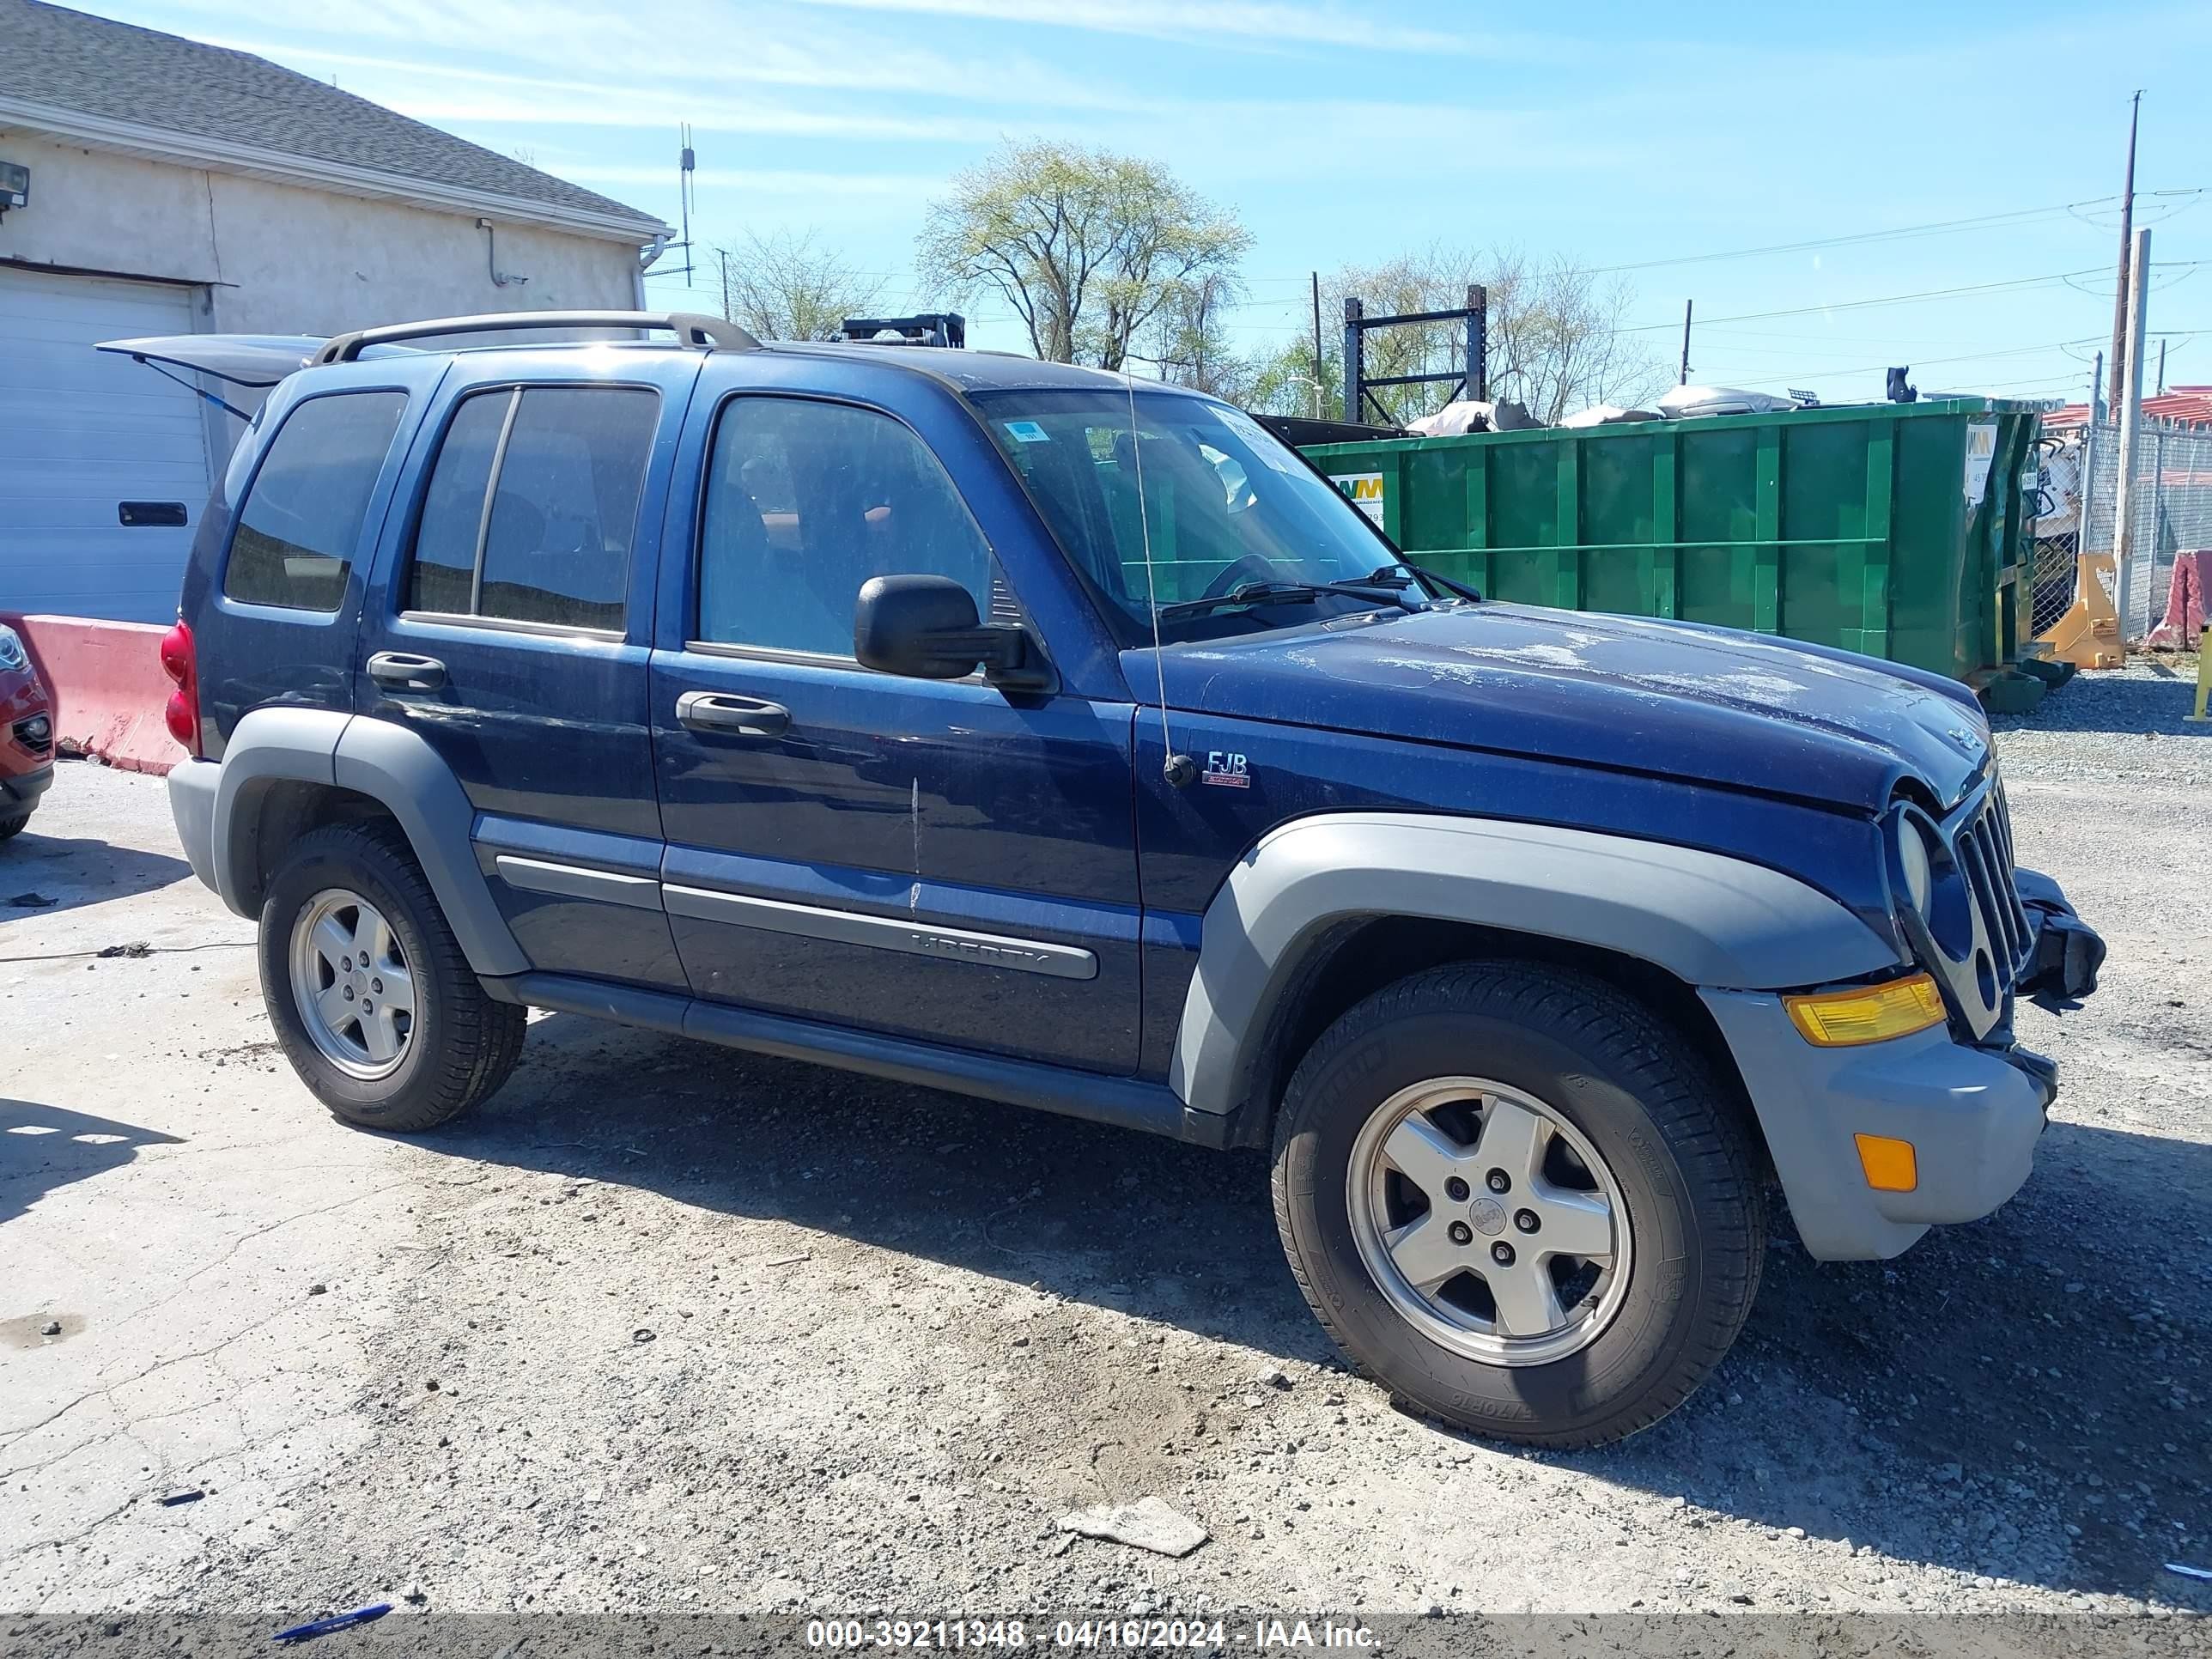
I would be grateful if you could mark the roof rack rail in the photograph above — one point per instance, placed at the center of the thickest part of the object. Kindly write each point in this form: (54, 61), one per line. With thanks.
(690, 329)
(948, 329)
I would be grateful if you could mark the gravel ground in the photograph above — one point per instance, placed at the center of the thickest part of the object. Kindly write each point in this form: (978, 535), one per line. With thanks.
(669, 1327)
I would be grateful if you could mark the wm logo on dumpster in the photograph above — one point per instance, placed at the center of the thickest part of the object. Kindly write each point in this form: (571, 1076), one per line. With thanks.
(1365, 491)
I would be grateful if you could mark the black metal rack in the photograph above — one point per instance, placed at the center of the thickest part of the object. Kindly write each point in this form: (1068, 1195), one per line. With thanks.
(948, 329)
(1473, 381)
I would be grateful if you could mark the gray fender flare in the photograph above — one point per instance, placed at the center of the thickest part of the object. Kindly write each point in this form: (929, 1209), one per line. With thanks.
(1709, 919)
(391, 765)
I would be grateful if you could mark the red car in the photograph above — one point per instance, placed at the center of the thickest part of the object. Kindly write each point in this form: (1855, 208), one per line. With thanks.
(27, 735)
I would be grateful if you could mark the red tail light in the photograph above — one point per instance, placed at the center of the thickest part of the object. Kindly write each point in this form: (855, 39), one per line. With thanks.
(181, 664)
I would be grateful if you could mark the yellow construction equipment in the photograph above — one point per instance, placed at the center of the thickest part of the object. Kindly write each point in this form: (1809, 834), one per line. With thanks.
(2204, 673)
(2089, 634)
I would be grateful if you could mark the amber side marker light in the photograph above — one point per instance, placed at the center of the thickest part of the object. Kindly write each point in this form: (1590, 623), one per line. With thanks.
(1867, 1013)
(1890, 1165)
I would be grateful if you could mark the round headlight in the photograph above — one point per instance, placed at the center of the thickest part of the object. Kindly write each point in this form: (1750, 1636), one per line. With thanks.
(1913, 856)
(11, 650)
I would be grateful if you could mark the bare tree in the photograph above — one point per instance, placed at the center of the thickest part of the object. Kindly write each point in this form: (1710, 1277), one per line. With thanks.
(1555, 341)
(785, 287)
(1087, 247)
(1191, 346)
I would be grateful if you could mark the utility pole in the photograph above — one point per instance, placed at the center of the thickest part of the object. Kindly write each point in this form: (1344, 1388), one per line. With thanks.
(2161, 368)
(2131, 419)
(1316, 299)
(722, 254)
(1686, 342)
(2120, 367)
(2087, 487)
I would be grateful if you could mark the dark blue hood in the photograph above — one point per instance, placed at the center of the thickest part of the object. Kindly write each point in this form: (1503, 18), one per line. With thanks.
(1674, 699)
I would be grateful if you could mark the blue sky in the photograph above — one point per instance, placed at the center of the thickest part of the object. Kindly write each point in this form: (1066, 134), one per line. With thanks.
(1619, 134)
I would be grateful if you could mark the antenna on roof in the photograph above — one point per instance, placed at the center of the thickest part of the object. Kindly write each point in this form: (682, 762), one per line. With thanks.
(687, 175)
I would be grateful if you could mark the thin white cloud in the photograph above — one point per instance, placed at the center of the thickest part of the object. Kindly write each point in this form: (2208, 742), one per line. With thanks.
(770, 182)
(1252, 23)
(723, 51)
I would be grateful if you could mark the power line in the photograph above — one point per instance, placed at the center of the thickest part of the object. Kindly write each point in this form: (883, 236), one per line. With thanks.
(1936, 228)
(1939, 228)
(1897, 298)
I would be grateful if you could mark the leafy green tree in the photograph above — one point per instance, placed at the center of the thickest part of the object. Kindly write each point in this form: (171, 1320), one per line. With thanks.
(1087, 247)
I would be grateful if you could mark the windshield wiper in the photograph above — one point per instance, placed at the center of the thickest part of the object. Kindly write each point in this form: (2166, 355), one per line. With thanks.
(1388, 586)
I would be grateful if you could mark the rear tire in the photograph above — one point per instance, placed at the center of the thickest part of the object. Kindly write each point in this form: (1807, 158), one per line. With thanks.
(1525, 1110)
(371, 997)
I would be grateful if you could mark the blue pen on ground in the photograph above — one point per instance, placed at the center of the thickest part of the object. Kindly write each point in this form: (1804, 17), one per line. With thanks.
(177, 1497)
(337, 1621)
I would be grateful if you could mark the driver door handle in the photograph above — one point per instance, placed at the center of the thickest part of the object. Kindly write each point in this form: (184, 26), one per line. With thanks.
(403, 670)
(721, 713)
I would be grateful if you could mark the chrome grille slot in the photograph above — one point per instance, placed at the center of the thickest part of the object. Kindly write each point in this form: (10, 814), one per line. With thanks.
(1980, 834)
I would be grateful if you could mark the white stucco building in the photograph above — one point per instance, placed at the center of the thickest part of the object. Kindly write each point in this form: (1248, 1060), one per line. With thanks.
(176, 188)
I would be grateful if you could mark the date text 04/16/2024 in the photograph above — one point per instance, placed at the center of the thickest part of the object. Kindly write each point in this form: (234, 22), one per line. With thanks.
(1088, 1635)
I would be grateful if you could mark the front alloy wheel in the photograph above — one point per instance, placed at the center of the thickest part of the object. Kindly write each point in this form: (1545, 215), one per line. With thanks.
(1489, 1221)
(1520, 1200)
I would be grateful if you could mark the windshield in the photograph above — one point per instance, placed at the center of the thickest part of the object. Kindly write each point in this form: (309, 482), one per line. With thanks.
(1226, 503)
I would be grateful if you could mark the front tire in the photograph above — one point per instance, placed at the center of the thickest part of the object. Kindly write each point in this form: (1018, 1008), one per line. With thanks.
(371, 997)
(12, 827)
(1519, 1201)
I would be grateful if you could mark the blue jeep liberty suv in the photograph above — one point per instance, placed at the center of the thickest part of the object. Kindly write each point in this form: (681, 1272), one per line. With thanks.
(1020, 730)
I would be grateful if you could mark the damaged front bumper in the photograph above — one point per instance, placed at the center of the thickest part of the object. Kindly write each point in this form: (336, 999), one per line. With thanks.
(1971, 1103)
(2063, 964)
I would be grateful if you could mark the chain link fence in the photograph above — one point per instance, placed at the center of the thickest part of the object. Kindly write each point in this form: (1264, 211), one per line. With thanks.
(2077, 508)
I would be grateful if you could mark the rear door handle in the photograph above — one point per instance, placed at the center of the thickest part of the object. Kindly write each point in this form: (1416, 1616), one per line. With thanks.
(722, 714)
(403, 670)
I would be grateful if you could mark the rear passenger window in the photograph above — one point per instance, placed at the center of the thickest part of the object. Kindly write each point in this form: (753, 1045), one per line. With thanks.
(532, 504)
(300, 521)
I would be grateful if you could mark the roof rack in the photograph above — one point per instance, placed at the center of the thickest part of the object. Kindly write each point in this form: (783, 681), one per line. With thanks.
(690, 329)
(948, 329)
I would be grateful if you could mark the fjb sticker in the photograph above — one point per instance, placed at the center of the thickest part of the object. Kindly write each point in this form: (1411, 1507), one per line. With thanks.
(1226, 770)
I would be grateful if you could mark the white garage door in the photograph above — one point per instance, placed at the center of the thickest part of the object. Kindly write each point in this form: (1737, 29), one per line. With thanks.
(88, 439)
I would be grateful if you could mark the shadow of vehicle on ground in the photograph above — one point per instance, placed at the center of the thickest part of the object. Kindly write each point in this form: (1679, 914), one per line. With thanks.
(1967, 1405)
(41, 874)
(43, 1148)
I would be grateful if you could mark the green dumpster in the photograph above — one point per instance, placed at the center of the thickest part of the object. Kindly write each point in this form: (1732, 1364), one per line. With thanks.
(1899, 530)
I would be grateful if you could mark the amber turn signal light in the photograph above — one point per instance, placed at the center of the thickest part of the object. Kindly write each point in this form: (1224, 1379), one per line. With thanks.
(1867, 1013)
(1890, 1165)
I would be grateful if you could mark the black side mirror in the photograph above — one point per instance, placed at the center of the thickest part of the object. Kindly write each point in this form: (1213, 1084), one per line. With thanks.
(925, 627)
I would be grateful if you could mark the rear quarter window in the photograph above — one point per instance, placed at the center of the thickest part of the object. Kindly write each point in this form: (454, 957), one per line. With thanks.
(301, 518)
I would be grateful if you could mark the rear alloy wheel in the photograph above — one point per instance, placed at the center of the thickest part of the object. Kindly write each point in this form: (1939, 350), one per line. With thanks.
(351, 984)
(368, 990)
(1521, 1201)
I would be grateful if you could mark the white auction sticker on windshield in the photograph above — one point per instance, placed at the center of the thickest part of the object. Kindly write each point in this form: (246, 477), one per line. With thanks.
(1257, 440)
(1027, 432)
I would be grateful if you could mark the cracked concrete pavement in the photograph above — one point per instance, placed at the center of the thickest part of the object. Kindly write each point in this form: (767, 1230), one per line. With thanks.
(669, 1326)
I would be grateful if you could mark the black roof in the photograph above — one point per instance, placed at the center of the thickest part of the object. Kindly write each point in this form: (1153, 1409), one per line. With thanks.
(74, 61)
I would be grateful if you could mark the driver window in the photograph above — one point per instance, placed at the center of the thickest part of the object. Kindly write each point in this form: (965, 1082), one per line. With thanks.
(806, 501)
